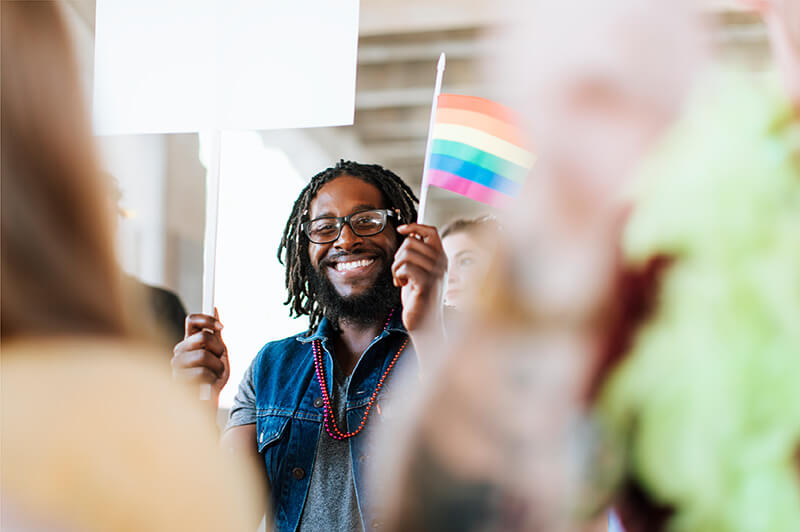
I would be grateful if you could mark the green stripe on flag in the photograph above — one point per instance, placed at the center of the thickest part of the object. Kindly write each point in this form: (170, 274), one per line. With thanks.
(490, 162)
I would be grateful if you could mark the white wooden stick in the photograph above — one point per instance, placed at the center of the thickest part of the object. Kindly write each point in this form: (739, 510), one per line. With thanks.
(212, 210)
(210, 239)
(423, 196)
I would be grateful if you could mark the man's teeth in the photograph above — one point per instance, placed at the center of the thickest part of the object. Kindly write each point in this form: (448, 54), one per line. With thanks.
(347, 266)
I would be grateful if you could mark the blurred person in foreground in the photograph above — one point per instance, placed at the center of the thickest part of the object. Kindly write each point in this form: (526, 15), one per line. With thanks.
(370, 281)
(93, 435)
(167, 310)
(506, 439)
(469, 244)
(700, 386)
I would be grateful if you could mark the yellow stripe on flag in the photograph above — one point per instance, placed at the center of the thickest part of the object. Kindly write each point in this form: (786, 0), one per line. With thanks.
(485, 142)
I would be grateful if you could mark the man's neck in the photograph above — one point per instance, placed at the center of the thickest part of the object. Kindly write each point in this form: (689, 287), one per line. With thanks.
(352, 340)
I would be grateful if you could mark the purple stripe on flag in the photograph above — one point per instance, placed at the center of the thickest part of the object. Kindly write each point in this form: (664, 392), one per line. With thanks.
(465, 187)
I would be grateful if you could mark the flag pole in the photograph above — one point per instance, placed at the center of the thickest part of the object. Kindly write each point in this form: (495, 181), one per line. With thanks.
(423, 196)
(210, 238)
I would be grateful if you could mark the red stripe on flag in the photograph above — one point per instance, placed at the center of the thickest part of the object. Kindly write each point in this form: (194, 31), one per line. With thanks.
(465, 187)
(478, 105)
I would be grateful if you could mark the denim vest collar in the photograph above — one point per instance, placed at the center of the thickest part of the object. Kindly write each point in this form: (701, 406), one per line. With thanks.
(325, 330)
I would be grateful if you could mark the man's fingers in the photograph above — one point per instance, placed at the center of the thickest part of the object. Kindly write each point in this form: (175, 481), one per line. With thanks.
(429, 250)
(428, 233)
(202, 340)
(198, 322)
(408, 272)
(199, 358)
(416, 258)
(426, 254)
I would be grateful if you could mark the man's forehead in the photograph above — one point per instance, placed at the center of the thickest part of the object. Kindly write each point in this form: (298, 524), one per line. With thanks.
(346, 194)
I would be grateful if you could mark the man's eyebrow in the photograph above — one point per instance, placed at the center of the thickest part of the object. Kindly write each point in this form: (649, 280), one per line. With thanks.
(358, 208)
(364, 207)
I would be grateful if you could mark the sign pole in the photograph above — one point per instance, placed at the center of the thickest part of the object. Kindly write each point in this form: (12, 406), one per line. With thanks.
(210, 238)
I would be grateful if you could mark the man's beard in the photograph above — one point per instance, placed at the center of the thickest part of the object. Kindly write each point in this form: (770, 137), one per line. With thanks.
(365, 309)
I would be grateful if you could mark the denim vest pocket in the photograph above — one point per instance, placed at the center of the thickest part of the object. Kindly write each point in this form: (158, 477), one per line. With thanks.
(272, 444)
(270, 429)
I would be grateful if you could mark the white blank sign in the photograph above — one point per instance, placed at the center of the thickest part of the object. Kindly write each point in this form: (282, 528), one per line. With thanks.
(193, 65)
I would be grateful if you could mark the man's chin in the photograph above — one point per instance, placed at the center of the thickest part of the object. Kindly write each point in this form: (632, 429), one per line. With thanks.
(353, 292)
(364, 302)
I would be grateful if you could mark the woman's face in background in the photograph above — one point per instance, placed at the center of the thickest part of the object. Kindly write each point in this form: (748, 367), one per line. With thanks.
(468, 263)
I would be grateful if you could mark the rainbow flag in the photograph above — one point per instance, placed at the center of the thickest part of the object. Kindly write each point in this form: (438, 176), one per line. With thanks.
(477, 150)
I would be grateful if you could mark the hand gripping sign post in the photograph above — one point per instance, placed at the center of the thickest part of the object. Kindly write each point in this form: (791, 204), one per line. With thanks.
(215, 65)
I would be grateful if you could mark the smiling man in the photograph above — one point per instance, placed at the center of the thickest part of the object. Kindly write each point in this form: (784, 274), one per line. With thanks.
(370, 282)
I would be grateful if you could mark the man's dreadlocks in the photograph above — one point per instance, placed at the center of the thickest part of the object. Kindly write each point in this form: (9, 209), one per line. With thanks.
(293, 249)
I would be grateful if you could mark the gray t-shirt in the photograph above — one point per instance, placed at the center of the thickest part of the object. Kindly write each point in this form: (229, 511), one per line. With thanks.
(331, 503)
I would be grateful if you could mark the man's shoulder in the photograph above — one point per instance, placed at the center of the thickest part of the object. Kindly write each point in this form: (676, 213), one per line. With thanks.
(285, 348)
(298, 339)
(280, 358)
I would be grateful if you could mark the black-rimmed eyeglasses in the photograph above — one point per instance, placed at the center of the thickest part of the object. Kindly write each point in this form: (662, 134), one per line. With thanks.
(327, 229)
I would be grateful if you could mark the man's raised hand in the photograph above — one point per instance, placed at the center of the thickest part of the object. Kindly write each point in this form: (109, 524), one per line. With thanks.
(201, 357)
(419, 268)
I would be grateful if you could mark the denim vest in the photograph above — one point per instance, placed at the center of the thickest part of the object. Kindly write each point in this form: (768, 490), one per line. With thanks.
(290, 415)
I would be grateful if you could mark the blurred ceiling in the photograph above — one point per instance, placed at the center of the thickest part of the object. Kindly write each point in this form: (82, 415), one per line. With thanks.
(399, 45)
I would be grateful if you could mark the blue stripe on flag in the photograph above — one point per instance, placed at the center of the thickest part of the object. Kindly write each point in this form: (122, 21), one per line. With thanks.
(475, 173)
(491, 162)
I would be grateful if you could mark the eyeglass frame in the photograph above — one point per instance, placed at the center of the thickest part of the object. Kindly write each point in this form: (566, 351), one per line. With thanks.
(342, 220)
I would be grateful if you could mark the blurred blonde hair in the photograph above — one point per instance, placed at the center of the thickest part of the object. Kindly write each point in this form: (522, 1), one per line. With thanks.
(485, 225)
(59, 273)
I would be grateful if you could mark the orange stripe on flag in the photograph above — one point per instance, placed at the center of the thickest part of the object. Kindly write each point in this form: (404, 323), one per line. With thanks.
(477, 105)
(483, 122)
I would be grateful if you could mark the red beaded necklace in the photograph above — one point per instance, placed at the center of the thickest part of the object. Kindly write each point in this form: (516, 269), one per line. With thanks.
(330, 417)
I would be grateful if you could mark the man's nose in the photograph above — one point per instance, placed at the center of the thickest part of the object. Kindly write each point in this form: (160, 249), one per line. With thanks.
(347, 238)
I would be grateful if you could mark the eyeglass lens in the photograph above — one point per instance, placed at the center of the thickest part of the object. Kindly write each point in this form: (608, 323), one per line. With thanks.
(367, 223)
